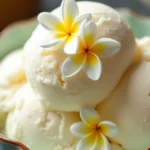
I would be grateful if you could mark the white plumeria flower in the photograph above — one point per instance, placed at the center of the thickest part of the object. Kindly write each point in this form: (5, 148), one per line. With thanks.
(62, 30)
(86, 51)
(92, 132)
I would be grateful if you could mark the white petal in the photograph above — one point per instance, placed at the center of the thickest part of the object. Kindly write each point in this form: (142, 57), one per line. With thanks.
(69, 10)
(110, 46)
(93, 67)
(77, 24)
(73, 64)
(101, 143)
(86, 143)
(88, 33)
(108, 128)
(89, 116)
(80, 129)
(81, 31)
(72, 46)
(51, 41)
(50, 22)
(82, 17)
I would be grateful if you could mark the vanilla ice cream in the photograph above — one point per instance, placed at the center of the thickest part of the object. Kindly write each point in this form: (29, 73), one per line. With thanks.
(43, 69)
(129, 106)
(39, 111)
(12, 77)
(30, 123)
(144, 47)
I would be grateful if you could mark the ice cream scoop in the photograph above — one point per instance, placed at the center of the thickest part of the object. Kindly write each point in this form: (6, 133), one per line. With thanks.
(144, 47)
(30, 123)
(12, 77)
(129, 107)
(43, 68)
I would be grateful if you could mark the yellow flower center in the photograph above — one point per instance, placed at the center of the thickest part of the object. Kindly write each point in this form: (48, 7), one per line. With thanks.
(97, 128)
(86, 50)
(71, 28)
(69, 34)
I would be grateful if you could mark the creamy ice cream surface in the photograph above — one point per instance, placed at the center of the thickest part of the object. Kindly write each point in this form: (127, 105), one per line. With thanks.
(144, 47)
(30, 123)
(43, 68)
(86, 87)
(12, 77)
(129, 105)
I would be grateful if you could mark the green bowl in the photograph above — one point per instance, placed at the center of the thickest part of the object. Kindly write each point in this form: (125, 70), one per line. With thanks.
(15, 36)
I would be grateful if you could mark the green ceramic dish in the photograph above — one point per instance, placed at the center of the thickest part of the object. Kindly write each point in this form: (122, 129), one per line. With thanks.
(15, 36)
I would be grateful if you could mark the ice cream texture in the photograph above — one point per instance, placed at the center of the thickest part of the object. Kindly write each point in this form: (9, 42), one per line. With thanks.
(43, 68)
(128, 106)
(39, 111)
(12, 77)
(143, 48)
(30, 123)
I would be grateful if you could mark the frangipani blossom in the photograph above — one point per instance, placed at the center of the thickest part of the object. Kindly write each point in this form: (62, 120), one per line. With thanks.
(92, 132)
(86, 51)
(62, 30)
